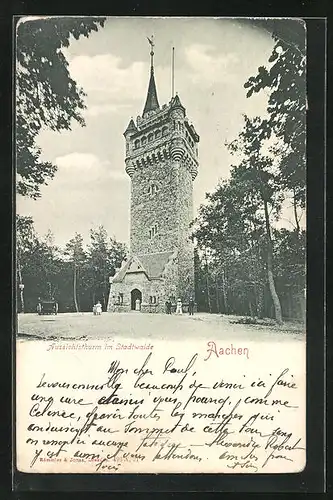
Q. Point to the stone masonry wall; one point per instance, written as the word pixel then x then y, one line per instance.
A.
pixel 171 209
pixel 185 245
pixel 155 287
pixel 159 208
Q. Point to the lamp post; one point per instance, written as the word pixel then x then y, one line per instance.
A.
pixel 21 287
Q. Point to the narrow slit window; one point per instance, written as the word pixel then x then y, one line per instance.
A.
pixel 153 231
pixel 153 189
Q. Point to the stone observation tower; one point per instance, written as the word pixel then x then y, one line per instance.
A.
pixel 162 162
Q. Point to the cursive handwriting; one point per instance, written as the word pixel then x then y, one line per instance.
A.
pixel 164 412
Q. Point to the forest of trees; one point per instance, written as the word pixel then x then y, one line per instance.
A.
pixel 75 277
pixel 246 264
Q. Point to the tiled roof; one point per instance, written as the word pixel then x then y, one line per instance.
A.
pixel 130 127
pixel 119 276
pixel 152 100
pixel 152 265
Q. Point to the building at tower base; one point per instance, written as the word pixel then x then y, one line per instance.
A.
pixel 162 162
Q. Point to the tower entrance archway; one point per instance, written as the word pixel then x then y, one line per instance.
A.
pixel 135 295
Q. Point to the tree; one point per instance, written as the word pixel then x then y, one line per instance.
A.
pixel 290 270
pixel 104 256
pixel 77 257
pixel 46 95
pixel 38 264
pixel 257 171
pixel 285 79
pixel 229 226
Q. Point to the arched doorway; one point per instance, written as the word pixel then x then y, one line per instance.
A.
pixel 135 295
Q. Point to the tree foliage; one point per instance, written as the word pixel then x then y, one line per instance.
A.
pixel 285 79
pixel 105 255
pixel 76 277
pixel 248 255
pixel 236 230
pixel 46 95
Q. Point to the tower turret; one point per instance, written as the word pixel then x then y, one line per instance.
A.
pixel 130 130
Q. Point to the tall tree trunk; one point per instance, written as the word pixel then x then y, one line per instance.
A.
pixel 295 214
pixel 224 292
pixel 270 275
pixel 260 302
pixel 207 285
pixel 217 295
pixel 291 304
pixel 75 290
pixel 21 283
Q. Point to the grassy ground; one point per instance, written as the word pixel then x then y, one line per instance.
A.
pixel 136 325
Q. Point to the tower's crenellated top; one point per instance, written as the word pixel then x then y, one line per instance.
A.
pixel 161 133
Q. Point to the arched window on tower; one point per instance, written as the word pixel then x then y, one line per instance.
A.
pixel 137 144
pixel 157 134
pixel 153 189
pixel 150 137
pixel 164 131
pixel 143 140
pixel 153 231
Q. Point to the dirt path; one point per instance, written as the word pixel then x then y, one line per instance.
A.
pixel 136 325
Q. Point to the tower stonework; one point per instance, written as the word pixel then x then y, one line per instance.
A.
pixel 161 160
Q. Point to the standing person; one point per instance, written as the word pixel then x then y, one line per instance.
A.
pixel 191 306
pixel 167 306
pixel 94 310
pixel 179 309
pixel 98 308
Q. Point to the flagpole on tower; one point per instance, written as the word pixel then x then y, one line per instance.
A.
pixel 173 73
pixel 151 42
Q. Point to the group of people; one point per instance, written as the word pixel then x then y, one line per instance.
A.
pixel 179 306
pixel 97 309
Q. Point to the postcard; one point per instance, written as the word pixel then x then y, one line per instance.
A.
pixel 160 245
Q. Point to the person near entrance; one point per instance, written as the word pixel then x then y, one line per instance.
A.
pixel 168 307
pixel 179 309
pixel 98 308
pixel 136 299
pixel 191 306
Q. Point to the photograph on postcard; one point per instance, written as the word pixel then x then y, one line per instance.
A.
pixel 160 245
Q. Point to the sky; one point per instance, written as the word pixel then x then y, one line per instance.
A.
pixel 213 59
